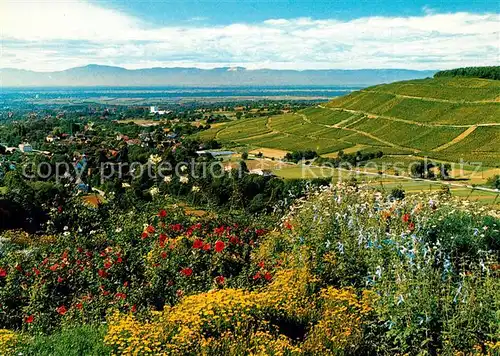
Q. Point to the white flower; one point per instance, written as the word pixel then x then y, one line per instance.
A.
pixel 167 179
pixel 183 168
pixel 65 228
pixel 195 189
pixel 184 179
pixel 119 229
pixel 154 191
pixel 155 159
pixel 66 233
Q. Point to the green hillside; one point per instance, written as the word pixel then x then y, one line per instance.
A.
pixel 443 118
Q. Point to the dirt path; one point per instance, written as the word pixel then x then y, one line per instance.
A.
pixel 456 139
pixel 404 120
pixel 384 142
pixel 431 99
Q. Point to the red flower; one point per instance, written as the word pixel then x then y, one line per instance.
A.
pixel 219 279
pixel 61 310
pixel 176 227
pixel 198 243
pixel 134 309
pixel 102 273
pixel 59 209
pixel 219 246
pixel 288 225
pixel 29 319
pixel 144 235
pixel 88 254
pixel 119 260
pixel 108 264
pixel 60 279
pixel 260 232
pixel 79 306
pixel 150 229
pixel 206 247
pixel 163 255
pixel 268 276
pixel 162 213
pixel 3 272
pixel 163 238
pixel 36 271
pixel 121 296
pixel 411 226
pixel 219 230
pixel 234 240
pixel 54 268
pixel 19 268
pixel 405 218
pixel 261 264
pixel 187 271
pixel 125 284
pixel 256 276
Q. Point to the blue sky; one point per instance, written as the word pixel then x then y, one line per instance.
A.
pixel 253 11
pixel 48 35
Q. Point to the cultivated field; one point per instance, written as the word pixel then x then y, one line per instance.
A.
pixel 449 119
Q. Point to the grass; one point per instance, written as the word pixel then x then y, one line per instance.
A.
pixel 83 340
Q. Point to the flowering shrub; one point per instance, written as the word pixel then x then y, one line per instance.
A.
pixel 78 277
pixel 236 321
pixel 347 271
pixel 432 260
pixel 8 342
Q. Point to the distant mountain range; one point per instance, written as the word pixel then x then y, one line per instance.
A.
pixel 97 75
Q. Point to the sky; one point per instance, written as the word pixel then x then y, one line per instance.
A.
pixel 51 35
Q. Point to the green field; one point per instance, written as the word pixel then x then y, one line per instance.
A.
pixel 386 183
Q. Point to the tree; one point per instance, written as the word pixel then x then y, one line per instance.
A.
pixel 494 181
pixel 244 155
pixel 422 169
pixel 444 170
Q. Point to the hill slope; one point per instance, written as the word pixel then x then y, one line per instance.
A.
pixel 443 118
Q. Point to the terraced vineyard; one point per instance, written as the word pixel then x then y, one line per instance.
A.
pixel 451 119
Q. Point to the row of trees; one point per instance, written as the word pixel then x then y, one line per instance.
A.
pixel 472 72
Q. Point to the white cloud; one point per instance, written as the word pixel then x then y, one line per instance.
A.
pixel 54 35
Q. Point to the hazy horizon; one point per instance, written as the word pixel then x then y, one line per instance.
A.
pixel 53 35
